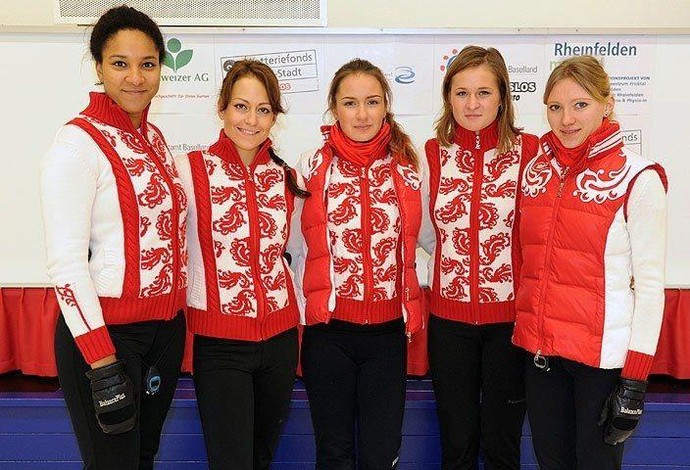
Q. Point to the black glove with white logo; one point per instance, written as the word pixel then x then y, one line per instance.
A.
pixel 113 398
pixel 622 410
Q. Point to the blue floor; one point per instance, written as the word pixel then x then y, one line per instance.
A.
pixel 35 433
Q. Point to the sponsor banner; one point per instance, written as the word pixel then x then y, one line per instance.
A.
pixel 635 129
pixel 629 61
pixel 405 61
pixel 298 67
pixel 185 134
pixel 188 83
pixel 524 57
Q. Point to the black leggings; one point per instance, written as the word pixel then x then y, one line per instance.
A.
pixel 563 405
pixel 139 345
pixel 355 378
pixel 243 390
pixel 478 378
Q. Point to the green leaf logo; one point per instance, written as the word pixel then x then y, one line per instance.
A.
pixel 175 58
pixel 184 57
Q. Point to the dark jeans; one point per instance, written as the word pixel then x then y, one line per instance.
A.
pixel 478 378
pixel 243 390
pixel 355 380
pixel 139 345
pixel 563 405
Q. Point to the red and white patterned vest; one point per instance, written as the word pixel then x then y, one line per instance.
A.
pixel 149 283
pixel 241 286
pixel 360 227
pixel 472 209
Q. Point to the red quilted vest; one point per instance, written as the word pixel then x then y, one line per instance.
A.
pixel 567 217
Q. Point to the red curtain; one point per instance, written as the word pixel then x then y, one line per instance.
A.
pixel 28 317
pixel 673 352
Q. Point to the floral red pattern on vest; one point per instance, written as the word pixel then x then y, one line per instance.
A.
pixel 361 225
pixel 472 206
pixel 243 217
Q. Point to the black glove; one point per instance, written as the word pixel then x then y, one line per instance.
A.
pixel 113 398
pixel 622 410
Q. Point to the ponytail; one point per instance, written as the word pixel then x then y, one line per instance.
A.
pixel 400 143
pixel 289 175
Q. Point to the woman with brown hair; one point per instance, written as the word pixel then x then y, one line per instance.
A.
pixel 360 229
pixel 242 302
pixel 470 231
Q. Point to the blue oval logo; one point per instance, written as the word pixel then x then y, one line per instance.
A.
pixel 404 74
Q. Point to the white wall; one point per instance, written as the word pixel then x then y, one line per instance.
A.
pixel 637 14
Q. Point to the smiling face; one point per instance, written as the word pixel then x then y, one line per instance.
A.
pixel 130 71
pixel 248 117
pixel 573 113
pixel 360 107
pixel 475 97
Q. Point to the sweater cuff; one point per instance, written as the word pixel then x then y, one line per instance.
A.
pixel 637 366
pixel 95 345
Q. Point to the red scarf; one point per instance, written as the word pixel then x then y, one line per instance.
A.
pixel 576 157
pixel 359 153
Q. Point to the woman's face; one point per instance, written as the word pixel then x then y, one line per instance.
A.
pixel 248 117
pixel 360 107
pixel 130 71
pixel 475 97
pixel 572 112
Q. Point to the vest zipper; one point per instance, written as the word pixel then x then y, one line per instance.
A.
pixel 366 241
pixel 255 240
pixel 474 227
pixel 175 216
pixel 547 263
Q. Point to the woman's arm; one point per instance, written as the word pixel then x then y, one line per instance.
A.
pixel 647 230
pixel 69 185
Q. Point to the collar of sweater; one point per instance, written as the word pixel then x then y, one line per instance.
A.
pixel 226 150
pixel 484 139
pixel 103 108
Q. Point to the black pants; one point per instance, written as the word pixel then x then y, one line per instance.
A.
pixel 563 405
pixel 355 379
pixel 478 378
pixel 139 345
pixel 243 389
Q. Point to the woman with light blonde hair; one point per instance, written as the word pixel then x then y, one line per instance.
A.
pixel 591 297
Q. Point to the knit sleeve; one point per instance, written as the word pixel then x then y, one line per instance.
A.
pixel 530 148
pixel 69 185
pixel 647 230
pixel 298 252
pixel 427 234
pixel 196 285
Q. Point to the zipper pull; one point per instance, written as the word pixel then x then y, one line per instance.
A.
pixel 560 187
pixel 477 143
pixel 541 362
